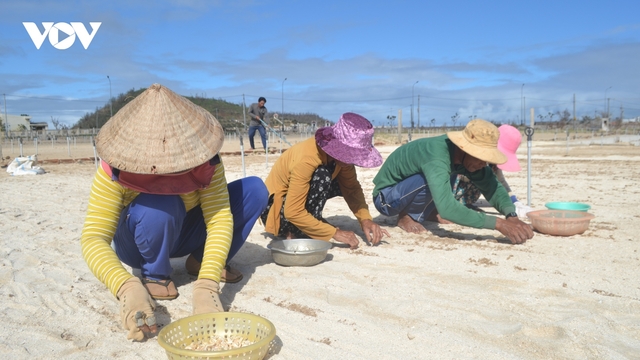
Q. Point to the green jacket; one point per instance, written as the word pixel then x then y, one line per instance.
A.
pixel 433 158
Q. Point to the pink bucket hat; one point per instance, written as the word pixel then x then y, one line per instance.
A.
pixel 508 143
pixel 349 141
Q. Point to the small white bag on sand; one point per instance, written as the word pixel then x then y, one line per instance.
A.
pixel 522 209
pixel 24 166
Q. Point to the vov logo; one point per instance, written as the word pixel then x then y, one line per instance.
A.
pixel 68 29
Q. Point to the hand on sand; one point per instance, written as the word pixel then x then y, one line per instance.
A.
pixel 373 232
pixel 205 297
pixel 136 310
pixel 517 231
pixel 347 237
pixel 406 223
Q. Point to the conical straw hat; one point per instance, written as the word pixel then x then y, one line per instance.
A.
pixel 159 132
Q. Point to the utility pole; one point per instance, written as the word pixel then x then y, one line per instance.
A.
pixel 574 113
pixel 110 96
pixel 522 107
pixel 418 111
pixel 244 114
pixel 399 126
pixel 606 108
pixel 412 91
pixel 282 113
pixel 5 120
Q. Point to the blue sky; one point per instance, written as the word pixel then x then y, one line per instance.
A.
pixel 469 57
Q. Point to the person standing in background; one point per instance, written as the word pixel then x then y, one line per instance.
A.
pixel 257 114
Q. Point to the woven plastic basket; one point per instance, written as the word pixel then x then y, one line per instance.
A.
pixel 560 222
pixel 201 328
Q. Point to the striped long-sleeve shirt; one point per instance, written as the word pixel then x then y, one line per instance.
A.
pixel 106 202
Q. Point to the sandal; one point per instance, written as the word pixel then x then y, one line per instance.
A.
pixel 228 274
pixel 161 289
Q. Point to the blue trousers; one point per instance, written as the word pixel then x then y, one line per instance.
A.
pixel 154 228
pixel 263 135
pixel 411 195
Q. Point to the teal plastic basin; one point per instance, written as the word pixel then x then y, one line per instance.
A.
pixel 575 206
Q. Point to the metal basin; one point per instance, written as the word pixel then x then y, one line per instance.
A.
pixel 299 252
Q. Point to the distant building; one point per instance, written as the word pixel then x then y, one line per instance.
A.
pixel 14 122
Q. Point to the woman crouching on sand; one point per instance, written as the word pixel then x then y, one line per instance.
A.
pixel 161 193
pixel 317 169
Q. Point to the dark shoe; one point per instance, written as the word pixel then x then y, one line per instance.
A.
pixel 192 265
pixel 228 275
pixel 161 289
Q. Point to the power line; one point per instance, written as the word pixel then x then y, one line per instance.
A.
pixel 427 97
pixel 434 103
pixel 397 98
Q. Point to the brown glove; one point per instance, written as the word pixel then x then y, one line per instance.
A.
pixel 136 310
pixel 205 297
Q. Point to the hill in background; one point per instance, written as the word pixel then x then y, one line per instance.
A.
pixel 224 111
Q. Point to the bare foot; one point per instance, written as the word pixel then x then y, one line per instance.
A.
pixel 406 223
pixel 443 221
